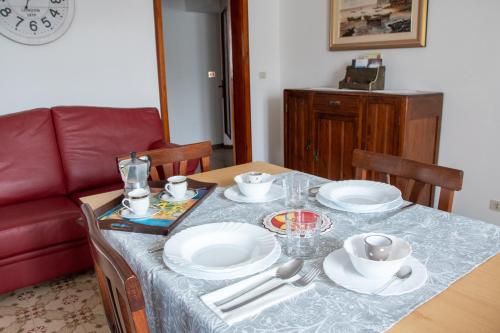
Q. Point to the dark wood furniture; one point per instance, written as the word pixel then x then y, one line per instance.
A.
pixel 120 289
pixel 323 127
pixel 166 162
pixel 392 169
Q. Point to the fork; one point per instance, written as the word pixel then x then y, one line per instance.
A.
pixel 300 283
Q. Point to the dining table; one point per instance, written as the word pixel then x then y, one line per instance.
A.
pixel 468 301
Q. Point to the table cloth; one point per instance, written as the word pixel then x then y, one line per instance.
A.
pixel 449 245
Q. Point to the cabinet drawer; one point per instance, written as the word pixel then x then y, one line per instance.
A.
pixel 336 102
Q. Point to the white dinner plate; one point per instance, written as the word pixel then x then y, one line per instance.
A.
pixel 339 269
pixel 360 195
pixel 190 194
pixel 331 204
pixel 234 194
pixel 219 247
pixel 236 274
pixel 128 214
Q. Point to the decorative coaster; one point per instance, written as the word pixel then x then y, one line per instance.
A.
pixel 275 222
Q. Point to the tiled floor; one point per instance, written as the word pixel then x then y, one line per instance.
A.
pixel 221 158
pixel 71 304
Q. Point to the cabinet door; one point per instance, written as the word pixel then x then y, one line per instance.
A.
pixel 336 135
pixel 298 141
pixel 382 126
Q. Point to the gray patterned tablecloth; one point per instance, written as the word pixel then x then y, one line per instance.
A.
pixel 449 245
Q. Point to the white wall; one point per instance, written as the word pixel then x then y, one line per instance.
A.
pixel 461 60
pixel 266 95
pixel 192 44
pixel 107 58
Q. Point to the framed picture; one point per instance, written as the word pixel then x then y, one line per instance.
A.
pixel 374 24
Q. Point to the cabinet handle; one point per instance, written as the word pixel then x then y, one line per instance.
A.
pixel 308 145
pixel 334 103
pixel 316 156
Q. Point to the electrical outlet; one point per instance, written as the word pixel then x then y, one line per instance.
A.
pixel 495 205
pixel 211 74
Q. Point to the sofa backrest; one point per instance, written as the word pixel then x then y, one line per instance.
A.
pixel 30 166
pixel 90 139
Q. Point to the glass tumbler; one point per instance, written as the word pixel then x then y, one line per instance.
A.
pixel 303 230
pixel 295 187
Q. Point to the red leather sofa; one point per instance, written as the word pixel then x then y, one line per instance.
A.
pixel 49 158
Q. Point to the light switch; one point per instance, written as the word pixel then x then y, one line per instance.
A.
pixel 262 75
pixel 211 74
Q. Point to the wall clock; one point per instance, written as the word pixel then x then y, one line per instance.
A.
pixel 35 22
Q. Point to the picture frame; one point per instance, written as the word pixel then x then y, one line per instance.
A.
pixel 377 24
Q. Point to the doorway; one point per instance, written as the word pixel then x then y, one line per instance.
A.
pixel 206 69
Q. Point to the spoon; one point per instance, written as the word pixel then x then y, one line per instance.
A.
pixel 284 272
pixel 403 273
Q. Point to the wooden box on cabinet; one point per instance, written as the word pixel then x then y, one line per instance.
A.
pixel 323 127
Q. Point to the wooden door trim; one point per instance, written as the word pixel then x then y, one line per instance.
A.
pixel 239 70
pixel 161 67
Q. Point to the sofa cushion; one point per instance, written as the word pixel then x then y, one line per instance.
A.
pixel 90 139
pixel 30 166
pixel 38 224
pixel 108 188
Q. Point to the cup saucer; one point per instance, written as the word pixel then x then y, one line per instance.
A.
pixel 190 194
pixel 128 214
pixel 339 269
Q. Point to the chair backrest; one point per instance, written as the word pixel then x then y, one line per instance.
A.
pixel 417 174
pixel 166 162
pixel 120 289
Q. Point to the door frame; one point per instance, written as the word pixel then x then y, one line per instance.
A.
pixel 239 64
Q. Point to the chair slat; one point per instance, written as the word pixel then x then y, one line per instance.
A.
pixel 183 168
pixel 168 170
pixel 417 174
pixel 154 174
pixel 205 164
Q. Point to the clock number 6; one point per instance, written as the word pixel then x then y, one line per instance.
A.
pixel 5 12
pixel 33 26
pixel 56 1
pixel 46 22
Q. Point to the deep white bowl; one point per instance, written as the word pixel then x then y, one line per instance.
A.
pixel 254 190
pixel 355 248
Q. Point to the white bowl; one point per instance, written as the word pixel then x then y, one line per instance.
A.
pixel 254 190
pixel 361 195
pixel 355 248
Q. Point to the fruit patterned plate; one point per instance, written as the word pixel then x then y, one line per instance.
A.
pixel 275 222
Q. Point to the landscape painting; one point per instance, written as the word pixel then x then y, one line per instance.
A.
pixel 365 24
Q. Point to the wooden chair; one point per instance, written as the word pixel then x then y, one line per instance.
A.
pixel 120 289
pixel 166 162
pixel 418 174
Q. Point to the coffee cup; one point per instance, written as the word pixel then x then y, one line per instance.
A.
pixel 177 187
pixel 378 247
pixel 253 177
pixel 137 201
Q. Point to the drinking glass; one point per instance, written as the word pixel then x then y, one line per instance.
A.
pixel 295 187
pixel 303 230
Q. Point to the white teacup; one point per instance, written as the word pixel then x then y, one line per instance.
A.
pixel 253 177
pixel 137 201
pixel 177 186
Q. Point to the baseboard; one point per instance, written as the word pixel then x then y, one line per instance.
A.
pixel 222 146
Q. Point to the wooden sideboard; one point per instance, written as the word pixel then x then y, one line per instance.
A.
pixel 323 127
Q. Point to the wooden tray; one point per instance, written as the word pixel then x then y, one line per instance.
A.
pixel 161 224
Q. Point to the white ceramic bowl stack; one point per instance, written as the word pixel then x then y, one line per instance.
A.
pixel 220 251
pixel 360 196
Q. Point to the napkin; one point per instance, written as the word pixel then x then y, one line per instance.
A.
pixel 284 293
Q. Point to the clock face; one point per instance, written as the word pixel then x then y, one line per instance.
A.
pixel 35 22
